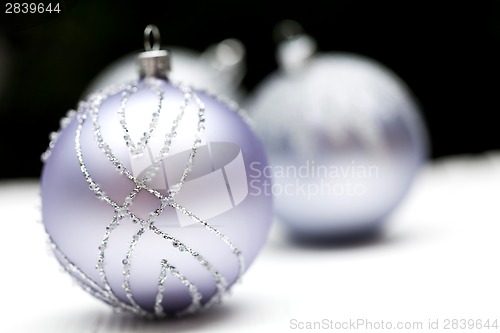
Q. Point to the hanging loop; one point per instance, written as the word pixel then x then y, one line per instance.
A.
pixel 153 62
pixel 151 31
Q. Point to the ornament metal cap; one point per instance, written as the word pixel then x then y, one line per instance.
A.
pixel 153 62
pixel 295 48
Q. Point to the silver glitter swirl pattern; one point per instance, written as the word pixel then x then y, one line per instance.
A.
pixel 90 109
pixel 143 142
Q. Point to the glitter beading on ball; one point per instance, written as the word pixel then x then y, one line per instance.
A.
pixel 159 221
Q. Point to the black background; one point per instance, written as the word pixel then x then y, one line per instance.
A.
pixel 447 53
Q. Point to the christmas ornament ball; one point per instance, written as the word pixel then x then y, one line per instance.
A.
pixel 146 197
pixel 345 140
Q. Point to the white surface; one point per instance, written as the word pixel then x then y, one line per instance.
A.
pixel 438 260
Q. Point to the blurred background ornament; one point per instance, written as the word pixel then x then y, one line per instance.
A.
pixel 218 70
pixel 344 137
pixel 145 193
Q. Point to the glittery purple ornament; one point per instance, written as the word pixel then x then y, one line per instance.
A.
pixel 146 195
pixel 345 141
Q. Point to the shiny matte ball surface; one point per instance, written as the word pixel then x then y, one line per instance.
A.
pixel 345 140
pixel 77 212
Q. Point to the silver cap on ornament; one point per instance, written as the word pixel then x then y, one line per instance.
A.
pixel 153 62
